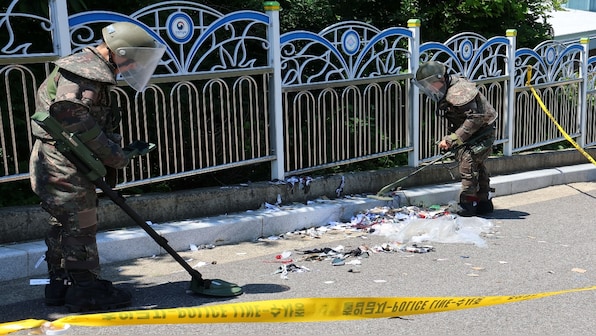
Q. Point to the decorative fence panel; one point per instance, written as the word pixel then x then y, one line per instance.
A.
pixel 231 91
pixel 345 95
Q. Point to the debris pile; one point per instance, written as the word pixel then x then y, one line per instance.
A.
pixel 437 224
pixel 408 229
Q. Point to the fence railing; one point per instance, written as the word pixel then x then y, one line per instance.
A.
pixel 231 91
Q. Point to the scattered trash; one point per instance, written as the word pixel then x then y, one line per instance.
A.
pixel 40 260
pixel 354 262
pixel 271 207
pixel 200 264
pixel 419 249
pixel 338 262
pixel 194 247
pixel 283 255
pixel 49 328
pixel 284 269
pixel 305 183
pixel 407 228
pixel 341 186
pixel 39 282
pixel 291 182
pixel 443 229
pixel 325 250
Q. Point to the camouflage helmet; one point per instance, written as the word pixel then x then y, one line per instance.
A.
pixel 431 80
pixel 125 34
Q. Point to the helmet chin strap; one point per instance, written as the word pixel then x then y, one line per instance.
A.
pixel 447 80
pixel 111 59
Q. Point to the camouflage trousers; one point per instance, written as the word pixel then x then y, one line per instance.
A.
pixel 70 199
pixel 475 179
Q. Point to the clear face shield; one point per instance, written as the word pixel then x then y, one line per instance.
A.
pixel 432 86
pixel 137 64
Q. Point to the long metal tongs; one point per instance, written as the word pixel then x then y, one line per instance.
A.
pixel 382 194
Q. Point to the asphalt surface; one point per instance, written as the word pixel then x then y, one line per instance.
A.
pixel 541 241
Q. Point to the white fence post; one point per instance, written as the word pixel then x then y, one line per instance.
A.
pixel 414 155
pixel 61 34
pixel 510 98
pixel 583 93
pixel 275 94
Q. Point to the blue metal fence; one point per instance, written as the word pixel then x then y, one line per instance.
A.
pixel 231 91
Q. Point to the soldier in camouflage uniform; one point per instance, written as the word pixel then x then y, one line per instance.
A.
pixel 469 116
pixel 76 94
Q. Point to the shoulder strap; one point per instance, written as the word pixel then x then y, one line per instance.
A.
pixel 52 83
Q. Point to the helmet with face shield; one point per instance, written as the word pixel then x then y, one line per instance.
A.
pixel 430 79
pixel 136 52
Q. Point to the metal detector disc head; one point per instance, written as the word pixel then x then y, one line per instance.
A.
pixel 215 287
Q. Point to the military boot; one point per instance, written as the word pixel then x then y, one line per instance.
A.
pixel 55 291
pixel 485 204
pixel 469 205
pixel 468 209
pixel 89 293
pixel 485 207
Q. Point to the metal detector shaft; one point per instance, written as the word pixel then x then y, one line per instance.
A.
pixel 121 202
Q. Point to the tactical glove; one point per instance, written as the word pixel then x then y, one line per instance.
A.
pixel 138 147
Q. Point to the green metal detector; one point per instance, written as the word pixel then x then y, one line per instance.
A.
pixel 198 285
pixel 76 152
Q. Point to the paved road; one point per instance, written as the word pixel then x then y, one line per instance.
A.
pixel 542 241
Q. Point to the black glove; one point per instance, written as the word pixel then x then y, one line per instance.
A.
pixel 138 147
pixel 111 177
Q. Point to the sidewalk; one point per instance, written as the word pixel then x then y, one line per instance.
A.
pixel 131 243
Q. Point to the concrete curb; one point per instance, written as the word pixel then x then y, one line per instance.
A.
pixel 20 260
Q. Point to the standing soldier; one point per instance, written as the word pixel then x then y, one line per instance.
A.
pixel 471 128
pixel 76 95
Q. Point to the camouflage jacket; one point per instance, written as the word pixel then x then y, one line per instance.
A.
pixel 466 110
pixel 81 104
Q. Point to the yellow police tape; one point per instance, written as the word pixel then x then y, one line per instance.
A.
pixel 550 116
pixel 285 310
